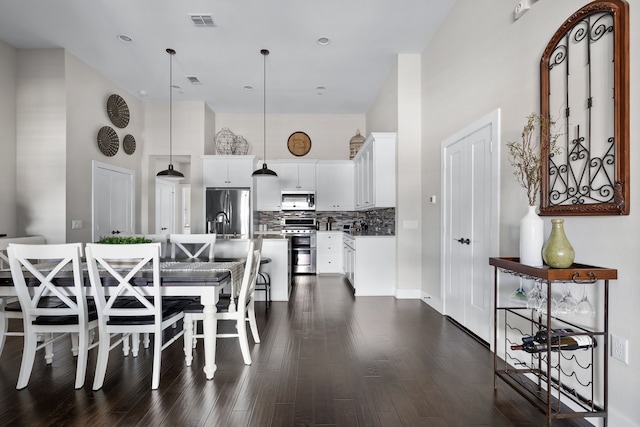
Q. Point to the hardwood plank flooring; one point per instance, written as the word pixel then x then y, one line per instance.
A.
pixel 326 359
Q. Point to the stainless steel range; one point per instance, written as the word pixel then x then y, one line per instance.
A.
pixel 302 235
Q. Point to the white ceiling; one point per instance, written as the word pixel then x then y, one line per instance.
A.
pixel 366 37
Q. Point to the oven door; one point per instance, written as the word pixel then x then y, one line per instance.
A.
pixel 303 260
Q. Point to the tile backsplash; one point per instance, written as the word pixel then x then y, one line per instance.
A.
pixel 382 220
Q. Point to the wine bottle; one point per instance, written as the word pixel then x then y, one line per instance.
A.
pixel 541 335
pixel 578 342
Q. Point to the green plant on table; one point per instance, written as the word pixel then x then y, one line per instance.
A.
pixel 525 155
pixel 124 240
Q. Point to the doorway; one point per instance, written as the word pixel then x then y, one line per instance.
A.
pixel 113 192
pixel 470 215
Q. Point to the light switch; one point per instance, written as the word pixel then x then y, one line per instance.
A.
pixel 76 224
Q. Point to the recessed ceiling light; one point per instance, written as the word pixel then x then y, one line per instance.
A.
pixel 321 89
pixel 248 87
pixel 323 41
pixel 124 38
pixel 142 93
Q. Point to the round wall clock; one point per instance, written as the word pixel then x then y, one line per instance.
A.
pixel 108 142
pixel 118 111
pixel 299 143
pixel 129 144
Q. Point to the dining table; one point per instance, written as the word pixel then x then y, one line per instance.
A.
pixel 179 277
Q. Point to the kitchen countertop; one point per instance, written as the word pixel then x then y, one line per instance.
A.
pixel 369 234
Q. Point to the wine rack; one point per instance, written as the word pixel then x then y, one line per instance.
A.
pixel 561 383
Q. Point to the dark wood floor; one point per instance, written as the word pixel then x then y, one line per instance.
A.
pixel 326 359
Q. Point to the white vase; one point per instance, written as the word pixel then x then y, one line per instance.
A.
pixel 531 238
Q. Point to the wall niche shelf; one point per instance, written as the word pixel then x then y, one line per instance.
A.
pixel 562 384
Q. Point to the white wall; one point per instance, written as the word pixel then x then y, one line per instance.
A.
pixel 87 92
pixel 396 108
pixel 474 66
pixel 8 78
pixel 330 133
pixel 41 158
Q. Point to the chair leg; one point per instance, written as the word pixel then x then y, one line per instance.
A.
pixel 188 338
pixel 83 354
pixel 4 325
pixel 145 340
pixel 74 344
pixel 104 342
pixel 48 350
pixel 241 326
pixel 251 317
pixel 126 345
pixel 157 358
pixel 28 356
pixel 135 344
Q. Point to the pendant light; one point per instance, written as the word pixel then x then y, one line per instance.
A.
pixel 264 171
pixel 170 173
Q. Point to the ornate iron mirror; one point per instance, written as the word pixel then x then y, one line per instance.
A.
pixel 584 83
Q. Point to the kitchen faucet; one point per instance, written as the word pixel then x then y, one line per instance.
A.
pixel 223 219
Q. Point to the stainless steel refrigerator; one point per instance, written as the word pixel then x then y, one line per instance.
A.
pixel 228 211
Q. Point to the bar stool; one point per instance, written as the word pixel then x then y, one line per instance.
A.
pixel 264 281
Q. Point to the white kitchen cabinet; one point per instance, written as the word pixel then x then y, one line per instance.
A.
pixel 329 252
pixel 370 264
pixel 228 171
pixel 274 248
pixel 297 176
pixel 375 172
pixel 334 185
pixel 349 257
pixel 268 189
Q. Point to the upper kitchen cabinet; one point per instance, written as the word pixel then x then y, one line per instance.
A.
pixel 297 176
pixel 228 171
pixel 375 172
pixel 334 185
pixel 268 189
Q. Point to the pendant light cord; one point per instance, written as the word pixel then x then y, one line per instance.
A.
pixel 264 104
pixel 171 53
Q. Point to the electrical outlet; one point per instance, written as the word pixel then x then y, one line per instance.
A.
pixel 620 349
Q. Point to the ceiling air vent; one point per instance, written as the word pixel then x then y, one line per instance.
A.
pixel 194 80
pixel 202 19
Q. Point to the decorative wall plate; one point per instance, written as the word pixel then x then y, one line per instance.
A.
pixel 108 142
pixel 129 144
pixel 118 111
pixel 299 143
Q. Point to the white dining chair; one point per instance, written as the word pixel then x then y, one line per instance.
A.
pixel 244 312
pixel 128 308
pixel 49 308
pixel 202 243
pixel 10 306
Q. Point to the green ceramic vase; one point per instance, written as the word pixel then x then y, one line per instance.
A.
pixel 557 252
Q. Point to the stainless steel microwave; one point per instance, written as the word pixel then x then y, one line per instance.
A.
pixel 298 201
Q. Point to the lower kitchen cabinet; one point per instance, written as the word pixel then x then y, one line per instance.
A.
pixel 329 252
pixel 276 249
pixel 370 264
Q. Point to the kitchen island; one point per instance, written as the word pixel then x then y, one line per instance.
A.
pixel 275 247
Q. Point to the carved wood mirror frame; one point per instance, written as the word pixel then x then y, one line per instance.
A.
pixel 584 88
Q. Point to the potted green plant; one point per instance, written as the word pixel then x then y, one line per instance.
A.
pixel 124 240
pixel 525 157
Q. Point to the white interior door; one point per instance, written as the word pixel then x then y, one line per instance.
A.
pixel 471 223
pixel 165 207
pixel 113 200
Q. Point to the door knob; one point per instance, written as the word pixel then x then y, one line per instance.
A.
pixel 115 232
pixel 463 241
